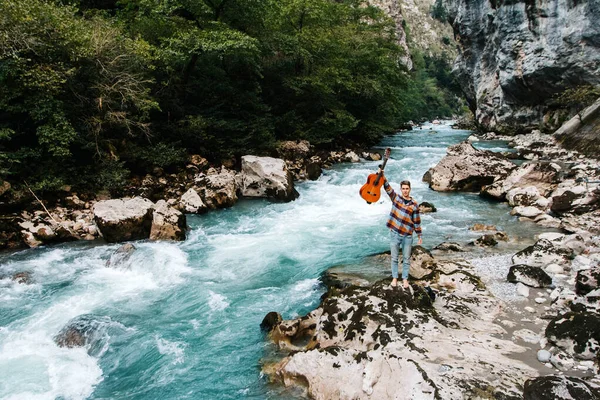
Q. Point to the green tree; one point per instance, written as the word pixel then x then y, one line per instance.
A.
pixel 70 88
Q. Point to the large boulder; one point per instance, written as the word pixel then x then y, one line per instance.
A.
pixel 270 321
pixel 167 223
pixel 587 280
pixel 191 202
pixel 267 177
pixel 124 219
pixel 542 253
pixel 467 168
pixel 559 387
pixel 544 177
pixel 528 275
pixel 380 342
pixel 313 170
pixel 219 188
pixel 422 262
pixel 578 333
pixel 526 196
pixel 575 198
pixel 87 331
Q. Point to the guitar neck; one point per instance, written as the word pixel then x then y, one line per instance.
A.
pixel 384 162
pixel 382 167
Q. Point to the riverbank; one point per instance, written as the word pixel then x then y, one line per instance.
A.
pixel 482 336
pixel 197 189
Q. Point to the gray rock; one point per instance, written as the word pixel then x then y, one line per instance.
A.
pixel 267 177
pixel 587 280
pixel 449 246
pixel 219 188
pixel 543 356
pixel 577 333
pixel 167 223
pixel 559 387
pixel 270 321
pixel 518 196
pixel 528 275
pixel 529 211
pixel 23 278
pixel 426 207
pixel 121 256
pixel 191 202
pixel 487 240
pixel 580 133
pixel 526 183
pixel 313 171
pixel 467 168
pixel 522 290
pixel 124 219
pixel 373 343
pixel 542 253
pixel 422 262
pixel 352 157
pixel 85 331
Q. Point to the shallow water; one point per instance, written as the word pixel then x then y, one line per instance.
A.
pixel 181 320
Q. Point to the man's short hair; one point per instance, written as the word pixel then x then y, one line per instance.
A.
pixel 407 183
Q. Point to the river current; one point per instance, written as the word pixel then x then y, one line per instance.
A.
pixel 181 320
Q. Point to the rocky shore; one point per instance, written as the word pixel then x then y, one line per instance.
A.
pixel 449 336
pixel 155 205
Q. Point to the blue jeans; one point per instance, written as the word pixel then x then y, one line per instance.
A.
pixel 397 240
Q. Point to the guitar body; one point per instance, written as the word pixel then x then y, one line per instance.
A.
pixel 371 191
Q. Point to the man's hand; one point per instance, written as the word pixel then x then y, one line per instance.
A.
pixel 420 242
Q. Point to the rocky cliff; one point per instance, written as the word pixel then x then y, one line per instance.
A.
pixel 515 55
pixel 417 29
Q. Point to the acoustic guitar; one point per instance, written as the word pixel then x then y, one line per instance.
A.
pixel 371 191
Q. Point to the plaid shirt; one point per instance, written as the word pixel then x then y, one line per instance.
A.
pixel 404 218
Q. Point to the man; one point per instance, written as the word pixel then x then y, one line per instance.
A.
pixel 403 221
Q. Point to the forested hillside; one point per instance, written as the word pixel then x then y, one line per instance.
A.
pixel 93 91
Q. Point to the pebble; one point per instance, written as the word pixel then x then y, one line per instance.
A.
pixel 544 356
pixel 522 290
pixel 530 309
pixel 444 368
pixel 540 300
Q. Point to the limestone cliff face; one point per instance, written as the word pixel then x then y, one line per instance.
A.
pixel 514 55
pixel 392 8
pixel 417 29
pixel 427 34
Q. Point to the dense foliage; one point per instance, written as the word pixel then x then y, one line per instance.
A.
pixel 93 90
